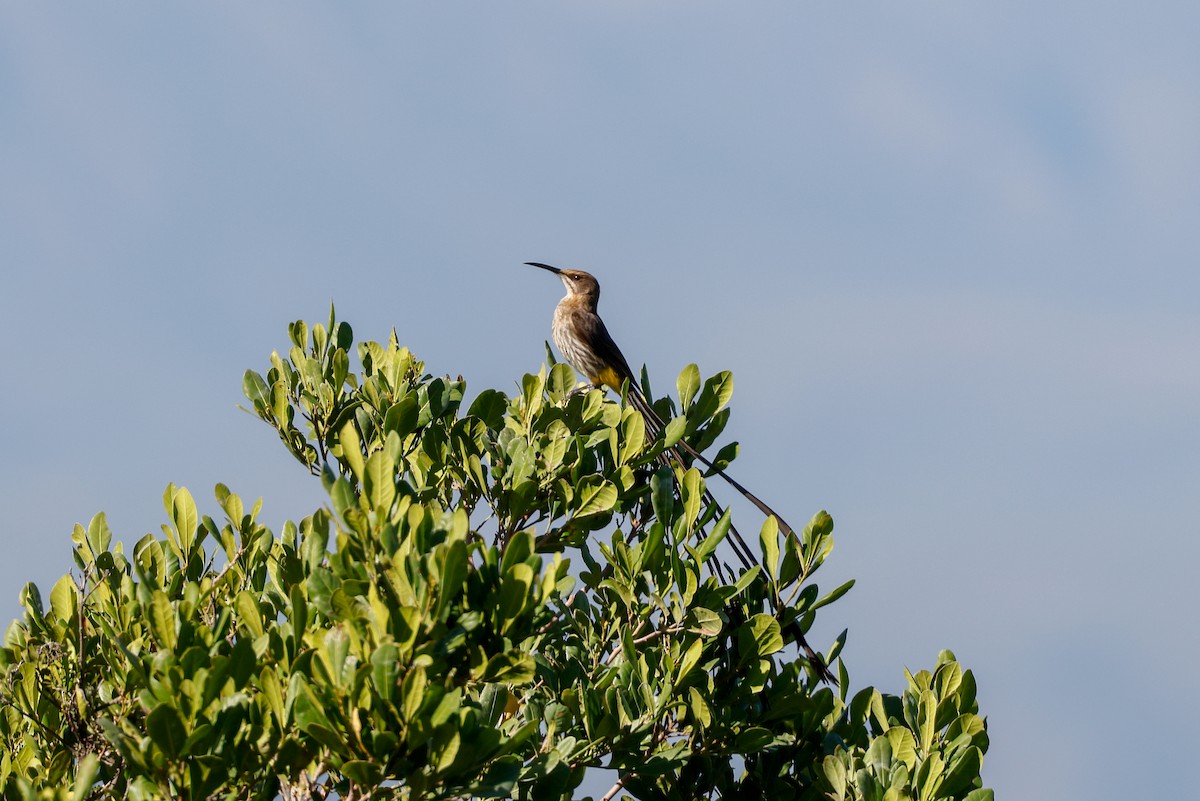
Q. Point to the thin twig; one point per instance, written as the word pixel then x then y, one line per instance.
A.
pixel 616 788
pixel 645 638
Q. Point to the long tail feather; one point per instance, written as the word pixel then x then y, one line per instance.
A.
pixel 814 659
pixel 642 405
pixel 654 425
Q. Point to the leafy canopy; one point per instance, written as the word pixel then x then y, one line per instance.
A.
pixel 492 603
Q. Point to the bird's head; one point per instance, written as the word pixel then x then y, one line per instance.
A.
pixel 578 283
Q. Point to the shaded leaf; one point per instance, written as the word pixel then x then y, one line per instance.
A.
pixel 165 727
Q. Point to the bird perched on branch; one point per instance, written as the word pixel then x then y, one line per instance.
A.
pixel 584 341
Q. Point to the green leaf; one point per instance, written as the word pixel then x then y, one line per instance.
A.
pixel 268 682
pixel 621 590
pixel 820 526
pixel 165 727
pixel 343 333
pixel 379 481
pixel 692 492
pixel 385 672
pixel 595 495
pixel 242 662
pixel 879 756
pixel 904 747
pixel 727 454
pixel 688 385
pixel 691 658
pixel 752 739
pixel 963 771
pixel 298 333
pixel 493 701
pixel 364 773
pixel 320 338
pixel 666 760
pixel 769 537
pixel 715 394
pixel 662 495
pixel 490 406
pixel 520 548
pixel 699 707
pixel 949 678
pixel 454 573
pixel 929 777
pixel 445 746
pixel 674 432
pixel 281 405
pixel 514 594
pixel 351 449
pixel 560 382
pixel 633 436
pixel 833 596
pixel 721 385
pixel 231 503
pixel 341 369
pixel 335 648
pixel 248 613
pixel 879 711
pixel 980 795
pixel 403 416
pixel 927 719
pixel 835 773
pixel 99 536
pixel 308 710
pixel 704 622
pixel 971 727
pixel 64 599
pixel 413 692
pixel 500 778
pixel 162 620
pixel 299 608
pixel 316 540
pixel 256 391
pixel 186 519
pixel 789 570
pixel 85 777
pixel 532 387
pixel 760 636
pixel 512 667
pixel 714 538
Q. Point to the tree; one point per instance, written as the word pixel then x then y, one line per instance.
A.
pixel 490 604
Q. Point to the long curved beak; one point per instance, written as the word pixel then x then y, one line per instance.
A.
pixel 554 270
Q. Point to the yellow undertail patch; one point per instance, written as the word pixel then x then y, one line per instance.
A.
pixel 609 378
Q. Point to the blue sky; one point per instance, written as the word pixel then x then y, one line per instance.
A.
pixel 947 249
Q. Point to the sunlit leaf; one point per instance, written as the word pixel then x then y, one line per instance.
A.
pixel 162 620
pixel 379 481
pixel 688 385
pixel 595 496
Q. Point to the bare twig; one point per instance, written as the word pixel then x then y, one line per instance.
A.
pixel 616 788
pixel 645 638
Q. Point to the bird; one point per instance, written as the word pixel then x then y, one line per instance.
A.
pixel 584 341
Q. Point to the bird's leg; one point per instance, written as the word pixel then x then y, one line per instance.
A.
pixel 583 388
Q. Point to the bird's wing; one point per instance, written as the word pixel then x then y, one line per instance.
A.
pixel 596 334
